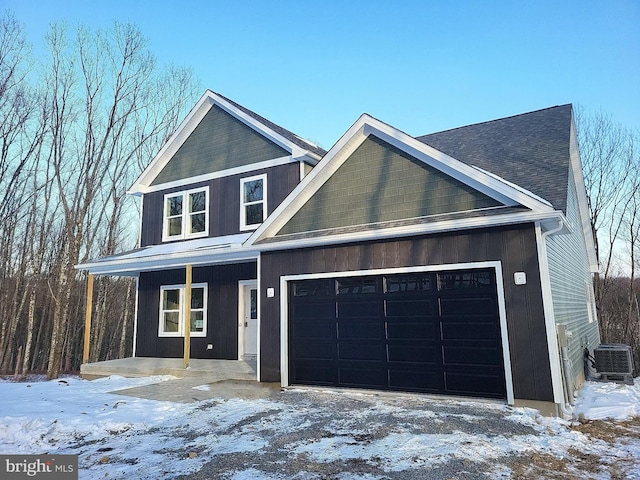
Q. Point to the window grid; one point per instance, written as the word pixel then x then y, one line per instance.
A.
pixel 172 314
pixel 185 214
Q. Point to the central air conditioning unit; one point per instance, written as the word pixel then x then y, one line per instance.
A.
pixel 614 362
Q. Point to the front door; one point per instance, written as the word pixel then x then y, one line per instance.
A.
pixel 248 321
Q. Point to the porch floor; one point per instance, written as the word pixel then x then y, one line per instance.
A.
pixel 213 370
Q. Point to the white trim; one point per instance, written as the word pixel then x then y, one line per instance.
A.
pixel 242 291
pixel 258 370
pixel 189 124
pixel 407 230
pixel 141 200
pixel 549 316
pixel 583 202
pixel 163 261
pixel 490 185
pixel 301 170
pixel 135 320
pixel 185 215
pixel 276 162
pixel 496 265
pixel 181 320
pixel 243 205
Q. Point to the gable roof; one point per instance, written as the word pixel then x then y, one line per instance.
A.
pixel 530 150
pixel 506 193
pixel 297 148
pixel 302 143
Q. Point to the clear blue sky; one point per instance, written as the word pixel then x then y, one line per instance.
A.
pixel 423 66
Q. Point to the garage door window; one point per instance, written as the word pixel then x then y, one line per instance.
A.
pixel 464 280
pixel 312 288
pixel 407 283
pixel 356 286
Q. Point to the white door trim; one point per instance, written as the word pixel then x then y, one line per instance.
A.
pixel 243 286
pixel 502 311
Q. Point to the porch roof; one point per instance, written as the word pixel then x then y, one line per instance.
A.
pixel 204 251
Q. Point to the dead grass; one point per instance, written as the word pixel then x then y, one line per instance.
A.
pixel 580 465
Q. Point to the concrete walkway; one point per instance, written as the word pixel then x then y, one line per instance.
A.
pixel 204 379
pixel 146 366
pixel 192 389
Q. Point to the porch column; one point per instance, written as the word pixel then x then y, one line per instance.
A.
pixel 87 319
pixel 187 316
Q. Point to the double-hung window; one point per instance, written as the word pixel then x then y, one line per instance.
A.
pixel 253 201
pixel 186 214
pixel 172 310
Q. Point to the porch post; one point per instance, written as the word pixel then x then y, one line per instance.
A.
pixel 87 319
pixel 187 316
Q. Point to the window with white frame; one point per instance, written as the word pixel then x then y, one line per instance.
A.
pixel 172 310
pixel 186 214
pixel 253 201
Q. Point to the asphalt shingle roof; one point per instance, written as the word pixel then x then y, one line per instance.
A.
pixel 530 150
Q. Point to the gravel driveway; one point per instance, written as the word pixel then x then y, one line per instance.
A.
pixel 312 434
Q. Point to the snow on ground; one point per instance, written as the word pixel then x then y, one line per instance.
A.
pixel 119 436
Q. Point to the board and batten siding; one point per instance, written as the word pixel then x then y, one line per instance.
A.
pixel 514 246
pixel 572 289
pixel 224 201
pixel 222 311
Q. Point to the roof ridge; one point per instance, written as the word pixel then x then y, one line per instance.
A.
pixel 418 137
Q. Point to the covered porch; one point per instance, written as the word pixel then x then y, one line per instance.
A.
pixel 212 370
pixel 219 265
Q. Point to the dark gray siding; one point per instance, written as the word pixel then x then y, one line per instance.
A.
pixel 222 312
pixel 220 141
pixel 224 201
pixel 514 246
pixel 381 183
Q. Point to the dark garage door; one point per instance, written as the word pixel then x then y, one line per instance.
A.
pixel 434 332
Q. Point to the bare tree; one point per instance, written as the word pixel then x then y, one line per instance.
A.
pixel 611 167
pixel 67 156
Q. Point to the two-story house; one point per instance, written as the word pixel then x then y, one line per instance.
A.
pixel 455 263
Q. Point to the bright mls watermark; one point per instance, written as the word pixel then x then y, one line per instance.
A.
pixel 51 467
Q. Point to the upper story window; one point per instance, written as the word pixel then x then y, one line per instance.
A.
pixel 253 201
pixel 186 214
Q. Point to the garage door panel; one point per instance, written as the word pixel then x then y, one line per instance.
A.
pixel 482 330
pixel 315 374
pixel 363 330
pixel 373 351
pixel 466 307
pixel 313 310
pixel 409 308
pixel 351 309
pixel 366 376
pixel 313 349
pixel 426 330
pixel 476 384
pixel 472 355
pixel 423 380
pixel 315 330
pixel 427 354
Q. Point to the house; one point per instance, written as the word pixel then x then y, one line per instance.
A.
pixel 455 263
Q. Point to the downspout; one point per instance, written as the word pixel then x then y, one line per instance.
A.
pixel 563 356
